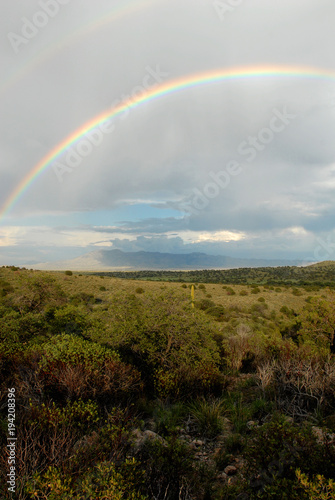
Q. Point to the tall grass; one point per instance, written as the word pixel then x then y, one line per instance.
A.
pixel 207 416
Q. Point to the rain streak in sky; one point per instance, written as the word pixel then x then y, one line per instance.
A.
pixel 169 126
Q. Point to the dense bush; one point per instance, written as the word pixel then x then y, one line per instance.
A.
pixel 205 304
pixel 16 330
pixel 101 482
pixel 318 323
pixel 172 346
pixel 168 469
pixel 69 367
pixel 277 450
pixel 77 414
pixel 83 298
pixel 319 488
pixel 35 293
pixel 198 387
pixel 68 319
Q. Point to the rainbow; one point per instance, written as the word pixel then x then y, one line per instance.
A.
pixel 157 92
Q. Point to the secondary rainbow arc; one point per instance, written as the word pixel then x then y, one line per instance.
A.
pixel 117 12
pixel 164 89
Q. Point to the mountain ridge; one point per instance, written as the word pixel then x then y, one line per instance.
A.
pixel 115 259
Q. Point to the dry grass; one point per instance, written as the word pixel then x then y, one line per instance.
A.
pixel 91 284
pixel 301 384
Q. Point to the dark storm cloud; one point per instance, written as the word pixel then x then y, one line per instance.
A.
pixel 80 60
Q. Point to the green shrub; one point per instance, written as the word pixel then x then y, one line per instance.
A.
pixel 111 442
pixel 68 273
pixel 67 320
pixel 318 323
pixel 235 308
pixel 168 469
pixel 168 341
pixel 74 350
pixel 234 443
pixel 83 298
pixel 277 449
pixel 185 381
pixel 222 459
pixel 101 482
pixel 285 310
pixel 139 290
pixel 329 421
pixel 36 293
pixel 243 293
pixel 168 416
pixel 69 367
pixel 319 488
pixel 5 288
pixel 102 289
pixel 81 415
pixel 217 312
pixel 204 304
pixel 260 308
pixel 261 408
pixel 16 330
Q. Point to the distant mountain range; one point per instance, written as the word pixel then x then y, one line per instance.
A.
pixel 117 260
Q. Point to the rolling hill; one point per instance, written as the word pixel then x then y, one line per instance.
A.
pixel 117 260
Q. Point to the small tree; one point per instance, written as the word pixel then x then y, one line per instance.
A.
pixel 37 292
pixel 318 321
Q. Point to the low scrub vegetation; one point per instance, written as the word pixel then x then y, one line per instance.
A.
pixel 129 392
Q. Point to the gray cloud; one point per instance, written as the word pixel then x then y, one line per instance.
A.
pixel 88 55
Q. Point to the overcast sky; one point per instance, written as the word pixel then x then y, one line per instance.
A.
pixel 241 167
